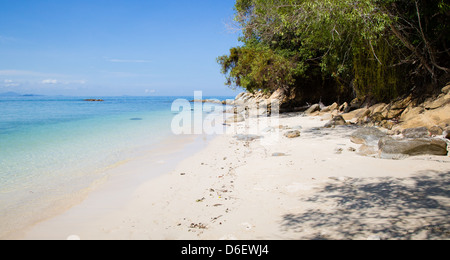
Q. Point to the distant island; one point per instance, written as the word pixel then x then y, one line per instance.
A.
pixel 14 94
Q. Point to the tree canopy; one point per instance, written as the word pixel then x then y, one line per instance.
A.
pixel 340 47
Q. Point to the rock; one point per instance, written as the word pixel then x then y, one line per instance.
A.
pixel 247 138
pixel 312 109
pixel 367 135
pixel 337 120
pixel 440 101
pixel 428 118
pixel 367 150
pixel 344 108
pixel 436 130
pixel 446 89
pixel 411 113
pixel 446 133
pixel 338 150
pixel 330 108
pixel 412 147
pixel 356 114
pixel 292 134
pixel 235 119
pixel 94 100
pixel 356 103
pixel 417 132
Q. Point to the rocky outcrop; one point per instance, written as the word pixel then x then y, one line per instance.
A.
pixel 401 114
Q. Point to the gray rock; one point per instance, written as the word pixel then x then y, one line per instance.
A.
pixel 337 120
pixel 247 138
pixel 418 132
pixel 368 136
pixel 292 134
pixel 412 147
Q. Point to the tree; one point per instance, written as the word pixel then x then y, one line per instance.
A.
pixel 362 46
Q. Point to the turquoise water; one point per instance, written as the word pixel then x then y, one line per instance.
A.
pixel 53 147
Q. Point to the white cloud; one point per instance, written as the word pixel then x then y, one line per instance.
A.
pixel 10 83
pixel 150 91
pixel 50 81
pixel 27 73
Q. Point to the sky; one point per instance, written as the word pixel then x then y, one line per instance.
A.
pixel 115 47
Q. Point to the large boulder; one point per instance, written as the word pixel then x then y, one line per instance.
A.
pixel 367 135
pixel 412 147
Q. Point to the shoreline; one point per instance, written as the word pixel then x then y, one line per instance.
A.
pixel 118 181
pixel 311 187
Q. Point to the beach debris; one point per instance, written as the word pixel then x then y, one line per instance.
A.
pixel 201 200
pixel 292 134
pixel 198 226
pixel 338 150
pixel 183 173
pixel 247 138
pixel 247 226
pixel 351 149
pixel 278 154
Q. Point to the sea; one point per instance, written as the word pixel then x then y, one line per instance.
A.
pixel 52 149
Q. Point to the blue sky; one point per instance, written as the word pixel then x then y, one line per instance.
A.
pixel 114 47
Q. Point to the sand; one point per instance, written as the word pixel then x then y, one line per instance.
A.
pixel 311 187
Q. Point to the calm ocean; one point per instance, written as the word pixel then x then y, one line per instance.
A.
pixel 53 147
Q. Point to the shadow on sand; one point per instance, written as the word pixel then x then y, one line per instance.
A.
pixel 377 208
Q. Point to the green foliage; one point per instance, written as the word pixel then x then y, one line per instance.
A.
pixel 363 45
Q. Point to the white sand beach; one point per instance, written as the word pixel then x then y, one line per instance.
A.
pixel 315 186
